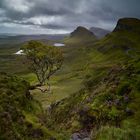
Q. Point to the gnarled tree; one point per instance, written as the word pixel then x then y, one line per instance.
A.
pixel 43 60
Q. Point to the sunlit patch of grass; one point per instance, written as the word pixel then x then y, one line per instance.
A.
pixel 30 77
pixel 59 90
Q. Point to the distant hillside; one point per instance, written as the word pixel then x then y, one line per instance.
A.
pixel 99 32
pixel 80 35
pixel 15 39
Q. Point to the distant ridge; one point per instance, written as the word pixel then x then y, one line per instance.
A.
pixel 99 32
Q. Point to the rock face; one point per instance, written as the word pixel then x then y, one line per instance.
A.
pixel 129 24
pixel 80 136
pixel 82 32
pixel 99 32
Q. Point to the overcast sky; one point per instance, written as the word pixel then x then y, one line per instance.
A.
pixel 62 16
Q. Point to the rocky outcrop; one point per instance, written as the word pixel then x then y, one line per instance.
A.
pixel 128 24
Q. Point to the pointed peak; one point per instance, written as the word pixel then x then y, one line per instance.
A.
pixel 81 31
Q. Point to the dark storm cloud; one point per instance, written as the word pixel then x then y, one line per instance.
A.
pixel 65 14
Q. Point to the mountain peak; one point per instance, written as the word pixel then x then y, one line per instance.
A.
pixel 129 24
pixel 81 32
pixel 81 28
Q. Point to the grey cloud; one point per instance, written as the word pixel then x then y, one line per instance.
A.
pixel 72 13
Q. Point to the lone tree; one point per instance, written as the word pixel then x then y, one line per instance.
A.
pixel 43 60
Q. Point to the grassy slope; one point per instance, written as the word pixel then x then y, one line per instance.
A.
pixel 68 79
pixel 65 82
pixel 110 99
pixel 20 113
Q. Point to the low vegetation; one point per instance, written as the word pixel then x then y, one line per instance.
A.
pixel 95 95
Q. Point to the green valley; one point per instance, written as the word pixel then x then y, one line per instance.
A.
pixel 94 96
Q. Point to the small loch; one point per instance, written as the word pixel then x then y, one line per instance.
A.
pixel 59 44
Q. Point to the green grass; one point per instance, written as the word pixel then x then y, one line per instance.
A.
pixel 104 71
pixel 109 74
pixel 113 133
pixel 61 87
pixel 68 79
